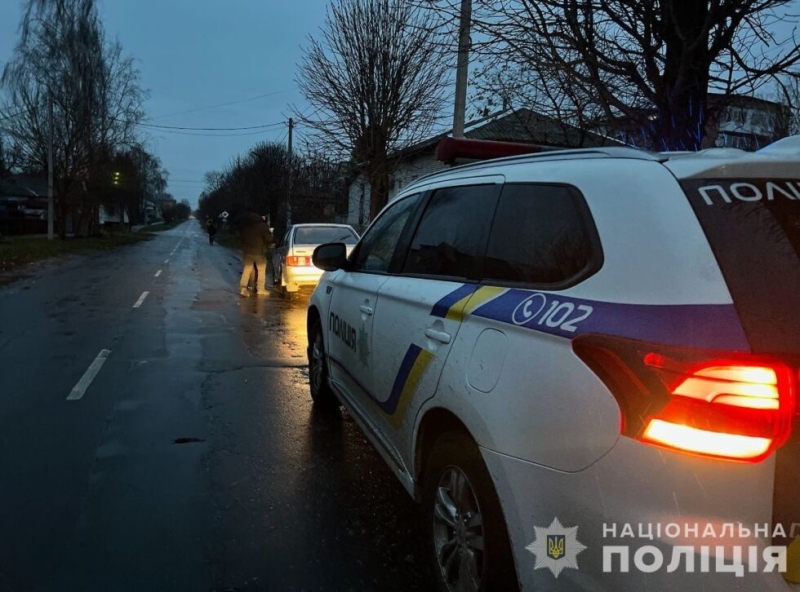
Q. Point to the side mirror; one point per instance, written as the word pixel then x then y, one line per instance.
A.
pixel 330 256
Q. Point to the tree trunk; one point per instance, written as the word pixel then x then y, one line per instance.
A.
pixel 683 104
pixel 62 218
pixel 378 188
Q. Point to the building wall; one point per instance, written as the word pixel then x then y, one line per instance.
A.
pixel 748 128
pixel 358 203
pixel 406 172
pixel 747 124
pixel 410 170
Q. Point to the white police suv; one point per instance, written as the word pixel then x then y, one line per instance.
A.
pixel 584 364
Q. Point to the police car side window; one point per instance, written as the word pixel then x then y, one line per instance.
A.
pixel 542 235
pixel 451 237
pixel 376 249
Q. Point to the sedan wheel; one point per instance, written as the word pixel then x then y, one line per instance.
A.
pixel 287 295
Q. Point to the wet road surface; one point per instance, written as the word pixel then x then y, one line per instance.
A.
pixel 156 433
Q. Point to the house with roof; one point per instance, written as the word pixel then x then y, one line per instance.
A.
pixel 511 125
pixel 734 121
pixel 22 210
pixel 748 123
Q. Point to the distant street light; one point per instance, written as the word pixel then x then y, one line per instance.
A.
pixel 116 178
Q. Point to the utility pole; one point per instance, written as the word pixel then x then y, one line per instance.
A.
pixel 462 69
pixel 289 182
pixel 50 208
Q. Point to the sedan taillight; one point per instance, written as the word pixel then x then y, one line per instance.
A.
pixel 294 261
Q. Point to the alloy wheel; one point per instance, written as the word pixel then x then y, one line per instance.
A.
pixel 317 362
pixel 458 534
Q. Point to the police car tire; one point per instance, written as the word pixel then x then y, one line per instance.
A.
pixel 457 449
pixel 322 396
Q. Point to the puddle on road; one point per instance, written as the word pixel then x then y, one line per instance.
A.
pixel 282 323
pixel 187 440
pixel 213 299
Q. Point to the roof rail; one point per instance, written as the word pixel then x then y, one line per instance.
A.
pixel 789 146
pixel 548 153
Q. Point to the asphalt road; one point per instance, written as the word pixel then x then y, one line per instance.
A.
pixel 193 459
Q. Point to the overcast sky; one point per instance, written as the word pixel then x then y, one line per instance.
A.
pixel 198 53
pixel 195 54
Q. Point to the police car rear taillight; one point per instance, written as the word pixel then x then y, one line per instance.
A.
pixel 735 407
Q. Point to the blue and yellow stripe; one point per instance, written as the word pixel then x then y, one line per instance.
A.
pixel 459 303
pixel 412 369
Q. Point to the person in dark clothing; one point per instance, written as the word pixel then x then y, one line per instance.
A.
pixel 255 238
pixel 211 228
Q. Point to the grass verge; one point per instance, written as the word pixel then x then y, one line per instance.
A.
pixel 228 239
pixel 16 253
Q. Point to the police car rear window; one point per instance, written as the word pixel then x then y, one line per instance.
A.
pixel 451 237
pixel 543 236
pixel 753 227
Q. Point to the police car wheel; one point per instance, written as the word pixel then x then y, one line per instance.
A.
pixel 321 393
pixel 469 541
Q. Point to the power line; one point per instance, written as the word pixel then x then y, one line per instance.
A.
pixel 211 129
pixel 269 94
pixel 200 134
pixel 283 137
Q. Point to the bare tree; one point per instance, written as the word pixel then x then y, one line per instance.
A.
pixel 650 64
pixel 255 182
pixel 376 83
pixel 787 94
pixel 37 11
pixel 5 164
pixel 320 187
pixel 64 62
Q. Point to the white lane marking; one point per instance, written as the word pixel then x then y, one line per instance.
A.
pixel 141 299
pixel 158 273
pixel 176 246
pixel 166 261
pixel 80 389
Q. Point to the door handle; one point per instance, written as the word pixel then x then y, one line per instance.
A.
pixel 438 335
pixel 366 309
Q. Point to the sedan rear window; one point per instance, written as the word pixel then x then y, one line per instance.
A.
pixel 318 235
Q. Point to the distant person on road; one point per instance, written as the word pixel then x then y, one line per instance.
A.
pixel 211 228
pixel 255 239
